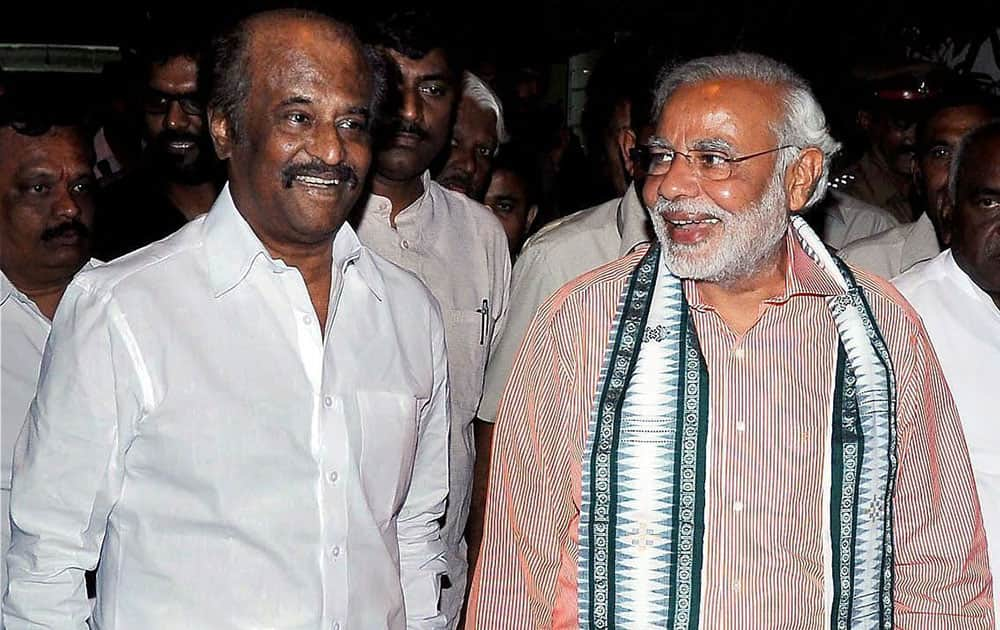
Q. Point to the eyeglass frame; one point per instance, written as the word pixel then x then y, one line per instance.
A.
pixel 192 99
pixel 636 154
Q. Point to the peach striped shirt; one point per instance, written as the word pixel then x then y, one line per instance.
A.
pixel 771 400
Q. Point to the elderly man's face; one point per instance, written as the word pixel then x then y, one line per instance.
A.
pixel 719 230
pixel 473 145
pixel 940 138
pixel 46 203
pixel 975 234
pixel 298 165
pixel 428 96
pixel 175 120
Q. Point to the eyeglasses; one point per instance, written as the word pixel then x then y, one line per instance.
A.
pixel 711 165
pixel 156 102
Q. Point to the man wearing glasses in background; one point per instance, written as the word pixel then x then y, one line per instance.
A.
pixel 771 443
pixel 180 177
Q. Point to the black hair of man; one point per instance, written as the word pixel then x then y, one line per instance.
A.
pixel 32 106
pixel 959 91
pixel 228 84
pixel 414 33
pixel 523 162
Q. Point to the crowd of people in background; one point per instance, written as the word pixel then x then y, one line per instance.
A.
pixel 311 324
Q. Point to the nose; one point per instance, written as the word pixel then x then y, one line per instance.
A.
pixel 327 145
pixel 678 182
pixel 175 118
pixel 462 159
pixel 66 205
pixel 411 108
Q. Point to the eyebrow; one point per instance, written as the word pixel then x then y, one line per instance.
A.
pixel 658 143
pixel 437 76
pixel 296 100
pixel 712 144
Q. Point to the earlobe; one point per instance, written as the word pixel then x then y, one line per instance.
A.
pixel 221 132
pixel 626 142
pixel 802 176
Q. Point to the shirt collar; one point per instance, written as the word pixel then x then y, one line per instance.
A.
pixel 634 226
pixel 921 243
pixel 6 288
pixel 803 276
pixel 232 249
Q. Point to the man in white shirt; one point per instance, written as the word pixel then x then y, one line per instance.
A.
pixel 957 294
pixel 452 243
pixel 894 251
pixel 247 421
pixel 46 214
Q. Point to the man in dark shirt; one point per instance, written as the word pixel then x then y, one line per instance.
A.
pixel 180 176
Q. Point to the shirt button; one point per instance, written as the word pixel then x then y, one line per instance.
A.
pixel 405 244
pixel 737 586
pixel 336 626
pixel 327 401
pixel 333 477
pixel 307 320
pixel 335 551
pixel 738 506
pixel 739 352
pixel 741 426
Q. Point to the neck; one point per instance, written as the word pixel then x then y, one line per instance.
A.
pixel 191 199
pixel 400 193
pixel 740 301
pixel 314 262
pixel 44 293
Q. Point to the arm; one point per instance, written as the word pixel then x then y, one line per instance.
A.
pixel 529 509
pixel 942 574
pixel 421 550
pixel 68 462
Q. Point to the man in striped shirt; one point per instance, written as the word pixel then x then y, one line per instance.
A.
pixel 771 442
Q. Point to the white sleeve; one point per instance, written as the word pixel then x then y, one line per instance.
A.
pixel 421 551
pixel 67 463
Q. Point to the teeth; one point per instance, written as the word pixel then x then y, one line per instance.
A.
pixel 317 181
pixel 684 223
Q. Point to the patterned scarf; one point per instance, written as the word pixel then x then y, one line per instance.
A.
pixel 642 515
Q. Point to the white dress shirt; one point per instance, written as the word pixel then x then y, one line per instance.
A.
pixel 964 326
pixel 459 250
pixel 230 465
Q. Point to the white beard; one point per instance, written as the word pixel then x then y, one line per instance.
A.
pixel 749 239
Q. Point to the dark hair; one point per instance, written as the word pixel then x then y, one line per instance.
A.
pixel 414 33
pixel 521 161
pixel 960 91
pixel 31 107
pixel 228 83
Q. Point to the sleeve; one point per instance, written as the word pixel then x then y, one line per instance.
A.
pixel 531 284
pixel 68 463
pixel 942 573
pixel 529 507
pixel 418 530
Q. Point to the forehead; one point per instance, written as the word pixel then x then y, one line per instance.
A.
pixel 61 148
pixel 950 124
pixel 736 111
pixel 505 182
pixel 433 64
pixel 303 60
pixel 473 118
pixel 175 75
pixel 982 165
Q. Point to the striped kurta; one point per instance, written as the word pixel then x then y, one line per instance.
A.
pixel 771 396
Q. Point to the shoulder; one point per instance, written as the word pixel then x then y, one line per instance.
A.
pixel 895 316
pixel 568 230
pixel 474 216
pixel 150 263
pixel 594 292
pixel 925 276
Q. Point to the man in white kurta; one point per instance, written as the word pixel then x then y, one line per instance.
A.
pixel 957 294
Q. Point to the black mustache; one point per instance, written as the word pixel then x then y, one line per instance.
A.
pixel 412 128
pixel 318 168
pixel 66 228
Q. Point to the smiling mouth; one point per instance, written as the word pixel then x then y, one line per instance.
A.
pixel 181 145
pixel 320 182
pixel 690 222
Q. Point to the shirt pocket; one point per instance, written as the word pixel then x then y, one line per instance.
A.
pixel 468 334
pixel 388 445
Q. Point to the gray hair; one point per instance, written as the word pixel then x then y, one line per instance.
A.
pixel 804 124
pixel 476 89
pixel 985 130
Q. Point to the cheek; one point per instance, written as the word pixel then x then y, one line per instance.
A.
pixel 154 124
